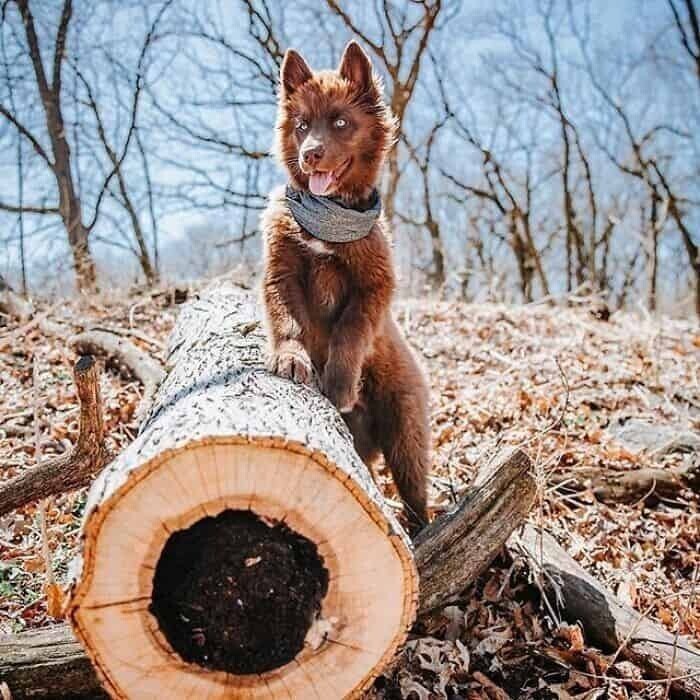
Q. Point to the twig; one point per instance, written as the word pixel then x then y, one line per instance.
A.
pixel 41 511
pixel 688 606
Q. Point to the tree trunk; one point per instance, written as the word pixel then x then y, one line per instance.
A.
pixel 232 453
pixel 70 206
pixel 437 273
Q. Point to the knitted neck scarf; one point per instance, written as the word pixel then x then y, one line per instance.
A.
pixel 329 220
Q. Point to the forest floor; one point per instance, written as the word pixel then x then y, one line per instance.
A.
pixel 584 394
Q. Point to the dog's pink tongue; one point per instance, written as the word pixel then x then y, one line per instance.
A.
pixel 320 182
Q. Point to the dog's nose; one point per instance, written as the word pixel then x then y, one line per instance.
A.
pixel 312 154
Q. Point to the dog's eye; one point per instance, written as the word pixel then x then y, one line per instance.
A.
pixel 340 123
pixel 302 125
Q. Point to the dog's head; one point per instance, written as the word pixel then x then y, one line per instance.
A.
pixel 333 127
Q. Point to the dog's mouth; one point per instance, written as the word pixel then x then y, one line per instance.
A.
pixel 324 182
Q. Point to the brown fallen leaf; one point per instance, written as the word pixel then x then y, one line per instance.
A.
pixel 493 691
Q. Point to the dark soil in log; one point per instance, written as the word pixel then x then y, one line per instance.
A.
pixel 235 594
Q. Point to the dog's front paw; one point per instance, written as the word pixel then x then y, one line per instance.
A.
pixel 292 365
pixel 341 386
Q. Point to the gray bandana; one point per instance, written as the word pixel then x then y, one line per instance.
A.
pixel 329 220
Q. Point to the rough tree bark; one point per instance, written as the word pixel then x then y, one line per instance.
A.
pixel 454 550
pixel 47 663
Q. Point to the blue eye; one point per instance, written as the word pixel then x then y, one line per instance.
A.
pixel 340 123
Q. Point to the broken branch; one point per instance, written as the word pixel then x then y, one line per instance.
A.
pixel 72 470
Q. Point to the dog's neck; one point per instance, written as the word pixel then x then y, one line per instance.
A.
pixel 331 220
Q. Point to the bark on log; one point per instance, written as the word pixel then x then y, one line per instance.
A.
pixel 74 469
pixel 607 622
pixel 225 435
pixel 443 553
pixel 47 663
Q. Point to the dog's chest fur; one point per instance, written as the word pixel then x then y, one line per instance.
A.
pixel 326 282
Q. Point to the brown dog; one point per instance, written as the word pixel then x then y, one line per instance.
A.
pixel 328 302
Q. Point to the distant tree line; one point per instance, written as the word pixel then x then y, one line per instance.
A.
pixel 540 152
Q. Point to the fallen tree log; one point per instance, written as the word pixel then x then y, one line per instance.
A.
pixel 239 547
pixel 52 663
pixel 13 304
pixel 317 568
pixel 47 663
pixel 607 622
pixel 76 468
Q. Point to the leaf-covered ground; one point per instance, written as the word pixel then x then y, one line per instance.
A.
pixel 586 397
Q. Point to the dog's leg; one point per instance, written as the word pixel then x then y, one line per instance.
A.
pixel 404 436
pixel 359 422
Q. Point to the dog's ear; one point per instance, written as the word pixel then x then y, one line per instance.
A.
pixel 356 67
pixel 294 71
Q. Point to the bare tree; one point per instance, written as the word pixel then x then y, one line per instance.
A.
pixel 688 29
pixel 646 161
pixel 60 161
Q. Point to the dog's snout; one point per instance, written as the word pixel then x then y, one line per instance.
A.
pixel 312 154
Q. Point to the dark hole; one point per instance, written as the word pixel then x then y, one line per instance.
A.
pixel 235 594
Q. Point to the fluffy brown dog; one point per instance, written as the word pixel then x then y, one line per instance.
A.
pixel 328 303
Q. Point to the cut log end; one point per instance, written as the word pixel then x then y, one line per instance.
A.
pixel 234 564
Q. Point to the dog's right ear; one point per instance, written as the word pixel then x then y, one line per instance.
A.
pixel 294 71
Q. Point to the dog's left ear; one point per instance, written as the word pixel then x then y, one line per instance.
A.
pixel 294 71
pixel 356 67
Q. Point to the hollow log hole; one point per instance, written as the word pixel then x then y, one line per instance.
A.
pixel 234 593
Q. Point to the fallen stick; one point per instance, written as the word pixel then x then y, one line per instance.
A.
pixel 648 484
pixel 74 469
pixel 607 622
